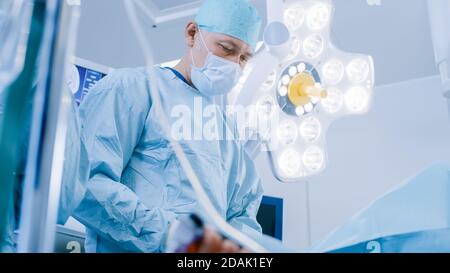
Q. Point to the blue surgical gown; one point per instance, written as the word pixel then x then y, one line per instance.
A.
pixel 136 185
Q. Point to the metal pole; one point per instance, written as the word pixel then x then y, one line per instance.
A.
pixel 48 135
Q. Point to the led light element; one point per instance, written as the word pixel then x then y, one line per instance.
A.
pixel 300 111
pixel 292 71
pixel 290 163
pixel 301 67
pixel 285 80
pixel 357 99
pixel 294 17
pixel 313 159
pixel 283 90
pixel 358 70
pixel 308 107
pixel 313 46
pixel 334 101
pixel 287 132
pixel 310 129
pixel 319 16
pixel 333 71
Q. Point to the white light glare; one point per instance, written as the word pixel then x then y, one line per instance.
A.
pixel 308 107
pixel 313 159
pixel 293 71
pixel 319 16
pixel 283 90
pixel 294 17
pixel 300 111
pixel 333 71
pixel 334 101
pixel 285 79
pixel 289 163
pixel 301 67
pixel 287 132
pixel 310 129
pixel 358 70
pixel 313 46
pixel 357 99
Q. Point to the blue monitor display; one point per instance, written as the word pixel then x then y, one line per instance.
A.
pixel 88 78
pixel 270 216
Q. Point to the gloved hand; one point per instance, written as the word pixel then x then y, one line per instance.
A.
pixel 213 242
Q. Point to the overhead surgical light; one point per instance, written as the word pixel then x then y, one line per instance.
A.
pixel 310 83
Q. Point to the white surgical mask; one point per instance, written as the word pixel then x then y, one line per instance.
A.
pixel 217 77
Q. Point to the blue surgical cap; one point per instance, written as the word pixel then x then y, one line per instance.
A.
pixel 236 18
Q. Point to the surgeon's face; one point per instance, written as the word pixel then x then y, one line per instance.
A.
pixel 220 45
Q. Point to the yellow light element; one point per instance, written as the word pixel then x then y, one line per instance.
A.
pixel 317 92
pixel 302 88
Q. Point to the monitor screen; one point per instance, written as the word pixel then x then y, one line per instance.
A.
pixel 270 216
pixel 83 76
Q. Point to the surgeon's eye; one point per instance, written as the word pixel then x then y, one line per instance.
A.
pixel 244 59
pixel 226 49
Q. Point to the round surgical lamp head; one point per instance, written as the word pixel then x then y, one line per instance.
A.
pixel 304 83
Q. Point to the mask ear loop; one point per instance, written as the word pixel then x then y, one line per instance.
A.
pixel 192 57
pixel 204 44
pixel 203 40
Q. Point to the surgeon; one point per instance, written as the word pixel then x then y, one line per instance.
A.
pixel 137 188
